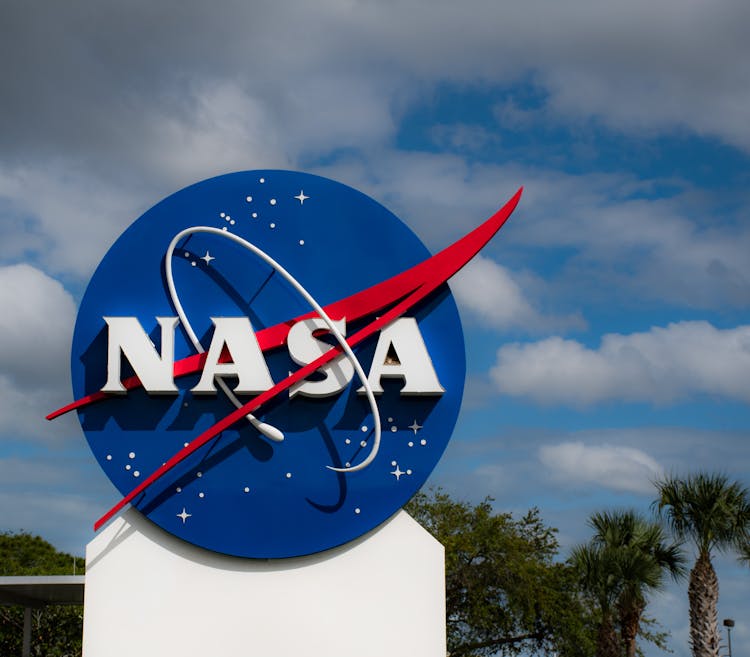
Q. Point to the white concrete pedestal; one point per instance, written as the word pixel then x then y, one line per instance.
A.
pixel 152 595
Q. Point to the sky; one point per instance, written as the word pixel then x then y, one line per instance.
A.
pixel 607 325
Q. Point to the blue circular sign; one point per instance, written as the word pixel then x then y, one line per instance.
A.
pixel 218 275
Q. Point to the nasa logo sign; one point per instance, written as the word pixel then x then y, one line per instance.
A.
pixel 269 364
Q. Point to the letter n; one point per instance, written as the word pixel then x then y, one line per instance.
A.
pixel 127 338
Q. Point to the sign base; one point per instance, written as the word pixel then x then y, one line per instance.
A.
pixel 153 595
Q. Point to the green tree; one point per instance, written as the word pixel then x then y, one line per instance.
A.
pixel 745 552
pixel 631 557
pixel 598 570
pixel 714 514
pixel 504 591
pixel 56 631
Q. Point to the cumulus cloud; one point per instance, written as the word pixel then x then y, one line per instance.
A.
pixel 637 66
pixel 491 294
pixel 310 77
pixel 489 291
pixel 657 71
pixel 35 326
pixel 610 466
pixel 608 236
pixel 136 124
pixel 35 332
pixel 680 248
pixel 662 365
pixel 61 218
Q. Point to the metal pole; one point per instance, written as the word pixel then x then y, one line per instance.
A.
pixel 729 640
pixel 729 624
pixel 26 649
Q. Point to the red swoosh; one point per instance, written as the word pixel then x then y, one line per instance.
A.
pixel 358 305
pixel 407 289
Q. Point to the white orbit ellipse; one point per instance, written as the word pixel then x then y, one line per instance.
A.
pixel 271 432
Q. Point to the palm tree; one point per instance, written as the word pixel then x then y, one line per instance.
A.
pixel 644 558
pixel 745 552
pixel 627 557
pixel 714 514
pixel 598 571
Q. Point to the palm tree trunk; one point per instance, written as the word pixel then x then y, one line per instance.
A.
pixel 630 621
pixel 607 644
pixel 703 595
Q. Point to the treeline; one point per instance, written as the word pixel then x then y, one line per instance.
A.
pixel 509 590
pixel 55 631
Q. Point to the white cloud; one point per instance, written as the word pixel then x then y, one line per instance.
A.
pixel 662 365
pixel 134 126
pixel 672 68
pixel 490 293
pixel 221 128
pixel 338 71
pixel 36 326
pixel 610 466
pixel 678 248
pixel 606 235
pixel 62 216
pixel 23 411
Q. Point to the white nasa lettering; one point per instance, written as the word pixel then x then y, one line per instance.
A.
pixel 305 348
pixel 412 363
pixel 127 337
pixel 248 364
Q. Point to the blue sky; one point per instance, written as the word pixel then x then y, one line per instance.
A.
pixel 607 325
